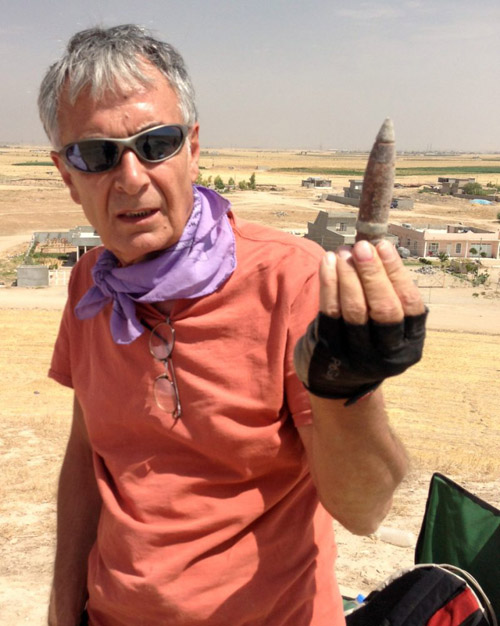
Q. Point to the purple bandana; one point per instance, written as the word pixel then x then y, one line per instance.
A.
pixel 197 265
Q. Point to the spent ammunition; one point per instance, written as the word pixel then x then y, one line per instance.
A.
pixel 378 187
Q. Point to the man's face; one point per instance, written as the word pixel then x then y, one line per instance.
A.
pixel 137 208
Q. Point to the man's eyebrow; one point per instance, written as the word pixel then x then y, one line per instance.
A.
pixel 149 126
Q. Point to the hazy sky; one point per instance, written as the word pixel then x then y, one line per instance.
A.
pixel 290 73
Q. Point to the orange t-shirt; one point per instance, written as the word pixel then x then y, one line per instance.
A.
pixel 215 520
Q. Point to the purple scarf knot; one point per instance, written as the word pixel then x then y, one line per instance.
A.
pixel 197 265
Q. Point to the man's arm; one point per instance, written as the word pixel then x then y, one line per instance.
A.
pixel 78 509
pixel 356 460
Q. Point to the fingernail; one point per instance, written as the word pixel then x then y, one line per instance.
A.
pixel 386 250
pixel 363 251
pixel 344 253
pixel 330 259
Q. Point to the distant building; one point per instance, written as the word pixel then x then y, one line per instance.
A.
pixel 354 190
pixel 453 186
pixel 456 187
pixel 315 182
pixel 455 240
pixel 331 229
pixel 82 238
pixel 352 197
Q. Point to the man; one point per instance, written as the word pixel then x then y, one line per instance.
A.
pixel 190 488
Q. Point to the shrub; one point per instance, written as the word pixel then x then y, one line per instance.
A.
pixel 474 189
pixel 480 279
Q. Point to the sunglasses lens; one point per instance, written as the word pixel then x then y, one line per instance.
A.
pixel 161 143
pixel 92 156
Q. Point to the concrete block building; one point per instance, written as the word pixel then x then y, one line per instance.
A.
pixel 332 229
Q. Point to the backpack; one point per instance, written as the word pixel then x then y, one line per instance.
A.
pixel 425 595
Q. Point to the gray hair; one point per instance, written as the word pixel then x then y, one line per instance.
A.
pixel 108 60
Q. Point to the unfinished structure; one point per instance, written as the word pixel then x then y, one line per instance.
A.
pixel 316 182
pixel 352 197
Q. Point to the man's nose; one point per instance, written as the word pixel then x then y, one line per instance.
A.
pixel 131 174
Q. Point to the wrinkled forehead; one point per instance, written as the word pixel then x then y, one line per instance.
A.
pixel 118 100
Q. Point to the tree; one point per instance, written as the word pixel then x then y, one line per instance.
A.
pixel 219 183
pixel 251 182
pixel 230 182
pixel 243 185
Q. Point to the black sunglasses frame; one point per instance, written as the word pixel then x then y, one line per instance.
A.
pixel 120 145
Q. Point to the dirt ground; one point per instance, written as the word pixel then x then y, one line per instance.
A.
pixel 445 408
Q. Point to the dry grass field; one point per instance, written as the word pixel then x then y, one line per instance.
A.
pixel 446 408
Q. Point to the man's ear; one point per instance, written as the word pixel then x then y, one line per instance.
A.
pixel 194 139
pixel 65 175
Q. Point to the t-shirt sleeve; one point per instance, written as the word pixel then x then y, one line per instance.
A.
pixel 60 367
pixel 304 309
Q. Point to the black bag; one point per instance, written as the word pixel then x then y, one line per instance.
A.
pixel 425 595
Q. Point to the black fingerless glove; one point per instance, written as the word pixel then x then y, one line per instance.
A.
pixel 335 359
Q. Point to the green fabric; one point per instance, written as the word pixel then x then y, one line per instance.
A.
pixel 349 603
pixel 462 530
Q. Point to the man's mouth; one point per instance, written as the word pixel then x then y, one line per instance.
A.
pixel 135 215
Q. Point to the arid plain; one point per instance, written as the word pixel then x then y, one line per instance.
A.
pixel 445 408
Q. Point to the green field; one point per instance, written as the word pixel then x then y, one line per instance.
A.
pixel 33 163
pixel 400 171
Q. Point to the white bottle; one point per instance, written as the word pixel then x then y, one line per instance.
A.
pixel 396 536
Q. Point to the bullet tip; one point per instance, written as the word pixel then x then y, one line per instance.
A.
pixel 386 132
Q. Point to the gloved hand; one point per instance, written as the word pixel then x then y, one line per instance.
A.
pixel 337 359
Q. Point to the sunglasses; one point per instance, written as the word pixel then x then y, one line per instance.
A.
pixel 100 155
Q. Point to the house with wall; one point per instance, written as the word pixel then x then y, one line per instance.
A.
pixel 456 187
pixel 332 229
pixel 455 240
pixel 81 238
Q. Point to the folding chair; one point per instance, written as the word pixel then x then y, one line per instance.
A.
pixel 462 530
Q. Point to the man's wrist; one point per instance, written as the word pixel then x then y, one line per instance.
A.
pixel 351 396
